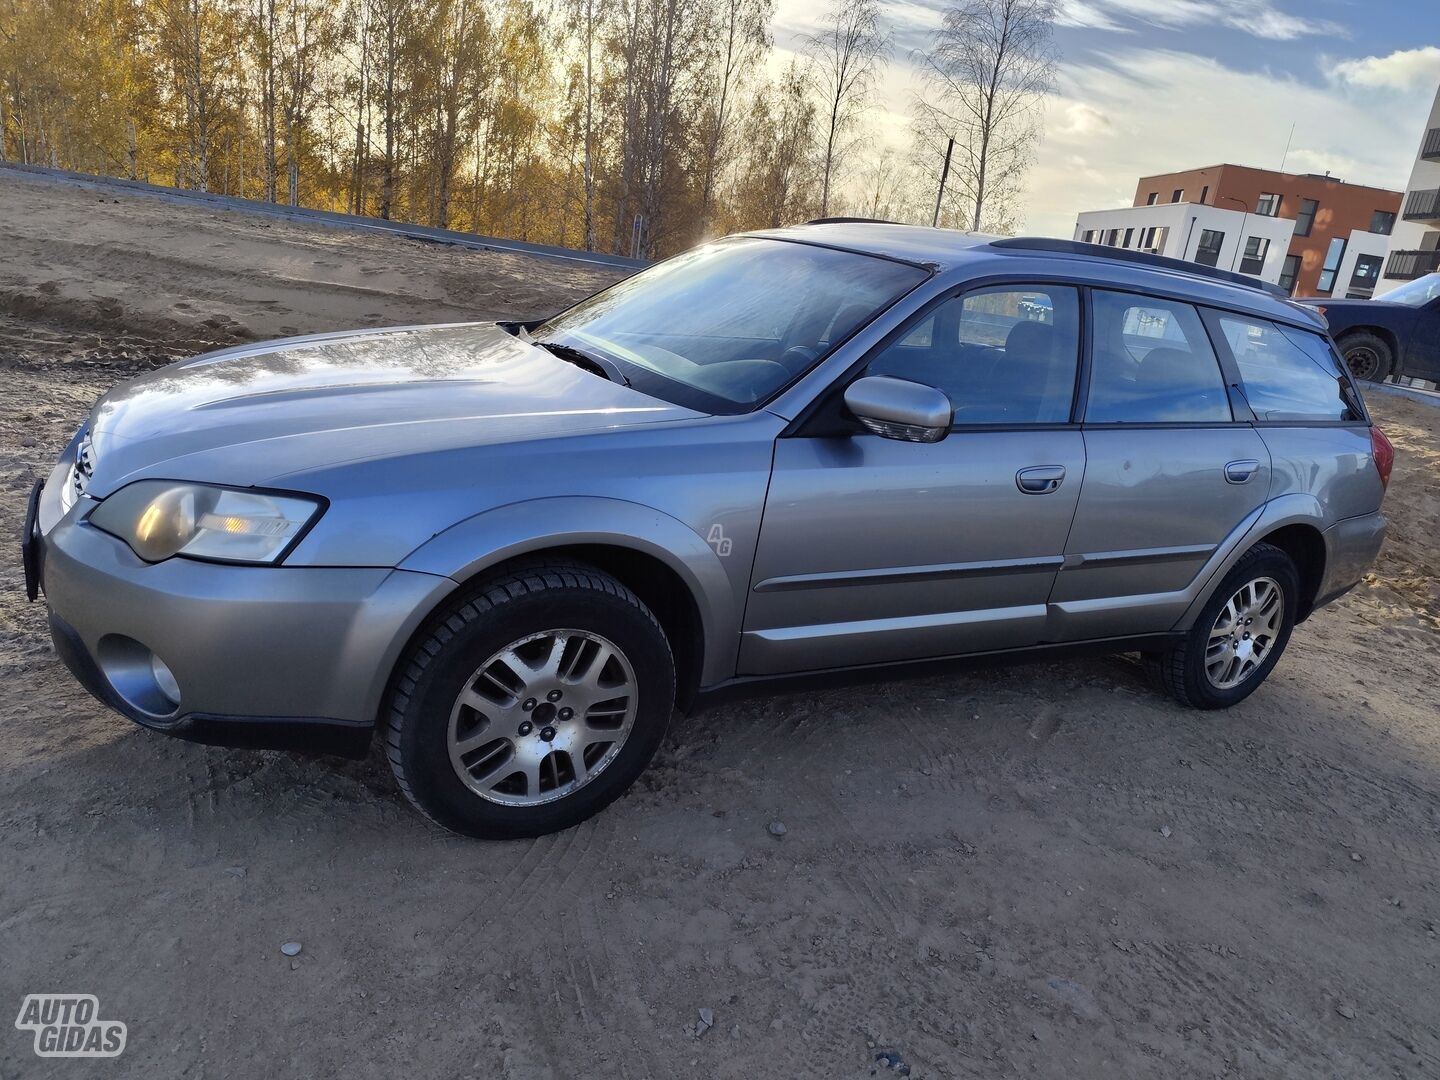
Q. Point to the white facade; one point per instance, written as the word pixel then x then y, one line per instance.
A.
pixel 1179 230
pixel 1371 247
pixel 1415 241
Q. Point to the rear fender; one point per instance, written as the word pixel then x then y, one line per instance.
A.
pixel 1297 508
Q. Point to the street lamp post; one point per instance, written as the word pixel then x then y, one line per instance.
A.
pixel 1244 217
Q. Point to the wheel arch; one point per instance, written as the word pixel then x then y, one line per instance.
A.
pixel 1305 544
pixel 662 560
pixel 1388 336
pixel 1295 523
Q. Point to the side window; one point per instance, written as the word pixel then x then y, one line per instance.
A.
pixel 1005 355
pixel 1288 374
pixel 1152 363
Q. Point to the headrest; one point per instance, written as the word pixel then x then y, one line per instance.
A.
pixel 1029 340
pixel 1166 367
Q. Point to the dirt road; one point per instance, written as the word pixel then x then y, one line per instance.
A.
pixel 1030 871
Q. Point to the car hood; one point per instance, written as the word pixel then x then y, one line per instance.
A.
pixel 256 413
pixel 1349 305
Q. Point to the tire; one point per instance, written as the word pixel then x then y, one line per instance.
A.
pixel 1186 672
pixel 1368 357
pixel 491 672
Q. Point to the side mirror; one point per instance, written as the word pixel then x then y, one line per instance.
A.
pixel 900 409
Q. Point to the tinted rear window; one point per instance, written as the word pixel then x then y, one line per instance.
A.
pixel 1152 364
pixel 1288 374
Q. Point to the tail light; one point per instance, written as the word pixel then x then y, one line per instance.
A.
pixel 1384 453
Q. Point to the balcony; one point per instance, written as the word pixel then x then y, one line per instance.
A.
pixel 1408 265
pixel 1430 148
pixel 1423 206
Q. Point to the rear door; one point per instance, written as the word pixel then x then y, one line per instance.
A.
pixel 1170 474
pixel 1308 414
pixel 874 550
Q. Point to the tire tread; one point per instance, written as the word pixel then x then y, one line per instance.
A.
pixel 485 597
pixel 1167 670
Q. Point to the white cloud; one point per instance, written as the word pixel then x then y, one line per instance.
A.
pixel 1128 115
pixel 1080 119
pixel 1258 17
pixel 1404 69
pixel 1088 15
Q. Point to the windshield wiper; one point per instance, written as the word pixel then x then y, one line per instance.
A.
pixel 597 365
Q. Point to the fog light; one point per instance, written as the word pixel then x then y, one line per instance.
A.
pixel 141 679
pixel 165 679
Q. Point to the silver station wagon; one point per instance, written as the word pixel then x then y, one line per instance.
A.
pixel 841 450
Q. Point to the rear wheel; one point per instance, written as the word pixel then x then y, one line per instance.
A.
pixel 1368 357
pixel 531 704
pixel 1239 636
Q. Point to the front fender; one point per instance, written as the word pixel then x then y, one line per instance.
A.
pixel 474 545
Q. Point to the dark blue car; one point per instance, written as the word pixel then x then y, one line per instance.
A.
pixel 1398 334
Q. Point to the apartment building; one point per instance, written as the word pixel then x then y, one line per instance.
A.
pixel 1312 235
pixel 1415 243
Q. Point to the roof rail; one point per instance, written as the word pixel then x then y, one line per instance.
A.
pixel 852 221
pixel 1140 258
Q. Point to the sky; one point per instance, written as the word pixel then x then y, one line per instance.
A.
pixel 1152 86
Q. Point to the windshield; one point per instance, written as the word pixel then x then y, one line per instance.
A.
pixel 724 327
pixel 1416 293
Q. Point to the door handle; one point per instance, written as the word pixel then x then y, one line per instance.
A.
pixel 1040 479
pixel 1237 472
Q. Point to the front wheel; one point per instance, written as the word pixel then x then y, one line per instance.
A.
pixel 531 703
pixel 1239 636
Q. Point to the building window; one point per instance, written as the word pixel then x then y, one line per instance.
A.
pixel 1129 235
pixel 1088 236
pixel 1268 206
pixel 1256 248
pixel 1204 191
pixel 1154 238
pixel 1367 271
pixel 1150 199
pixel 1382 221
pixel 1305 220
pixel 1208 252
pixel 1177 194
pixel 1289 272
pixel 1111 237
pixel 1333 257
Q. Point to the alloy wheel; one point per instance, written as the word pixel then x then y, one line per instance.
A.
pixel 1244 633
pixel 542 717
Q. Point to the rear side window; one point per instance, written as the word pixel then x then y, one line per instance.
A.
pixel 1003 355
pixel 1152 364
pixel 1288 374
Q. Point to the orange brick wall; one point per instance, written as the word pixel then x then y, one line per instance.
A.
pixel 1343 207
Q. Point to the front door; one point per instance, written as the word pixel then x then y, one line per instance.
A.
pixel 1169 474
pixel 875 550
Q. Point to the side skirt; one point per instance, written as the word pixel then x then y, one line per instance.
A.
pixel 751 686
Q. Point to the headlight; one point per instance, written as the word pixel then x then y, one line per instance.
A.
pixel 163 518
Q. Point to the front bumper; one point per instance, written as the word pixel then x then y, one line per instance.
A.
pixel 261 656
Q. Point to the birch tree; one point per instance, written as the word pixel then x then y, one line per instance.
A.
pixel 848 54
pixel 742 37
pixel 987 71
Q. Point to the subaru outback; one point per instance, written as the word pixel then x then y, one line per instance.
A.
pixel 835 451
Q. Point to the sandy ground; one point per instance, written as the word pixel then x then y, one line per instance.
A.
pixel 1031 871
